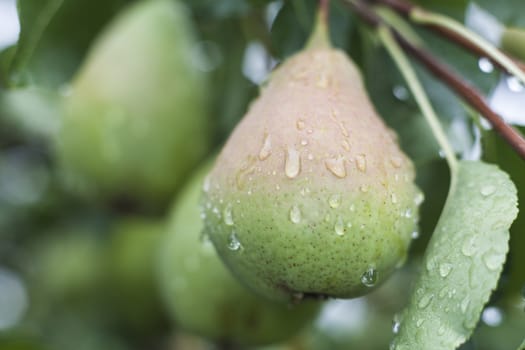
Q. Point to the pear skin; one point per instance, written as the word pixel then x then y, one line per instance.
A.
pixel 201 294
pixel 311 195
pixel 135 120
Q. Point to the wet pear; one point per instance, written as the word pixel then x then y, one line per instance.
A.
pixel 134 119
pixel 312 185
pixel 202 295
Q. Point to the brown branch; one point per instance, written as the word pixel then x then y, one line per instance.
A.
pixel 444 73
pixel 404 8
pixel 324 9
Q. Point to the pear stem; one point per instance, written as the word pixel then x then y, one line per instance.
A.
pixel 415 86
pixel 324 10
pixel 320 37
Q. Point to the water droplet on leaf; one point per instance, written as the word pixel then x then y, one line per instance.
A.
pixel 488 190
pixel 444 269
pixel 485 65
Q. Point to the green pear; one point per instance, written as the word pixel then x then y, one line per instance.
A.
pixel 311 195
pixel 134 121
pixel 132 260
pixel 202 295
pixel 67 267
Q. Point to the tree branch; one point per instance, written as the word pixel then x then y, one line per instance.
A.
pixel 405 8
pixel 442 72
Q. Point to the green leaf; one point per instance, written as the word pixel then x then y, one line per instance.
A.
pixel 54 36
pixel 463 261
pixel 454 8
pixel 34 19
pixel 522 346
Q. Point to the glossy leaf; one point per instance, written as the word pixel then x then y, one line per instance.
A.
pixel 54 36
pixel 463 261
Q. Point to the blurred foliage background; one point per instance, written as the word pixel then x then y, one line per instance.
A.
pixel 79 271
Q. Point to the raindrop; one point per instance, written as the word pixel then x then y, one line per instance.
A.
pixel 295 214
pixel 396 162
pixel 304 142
pixel 363 188
pixel 492 316
pixel 300 124
pixel 493 260
pixel 419 322
pixel 233 242
pixel 292 163
pixel 361 162
pixel 247 168
pixel 216 211
pixel 469 246
pixel 408 213
pixel 352 207
pixel 425 301
pixel 487 190
pixel 464 304
pixel 393 198
pixel 514 84
pixel 227 214
pixel 400 92
pixel 369 277
pixel 485 65
pixel 419 198
pixel 266 148
pixel 336 166
pixel 323 81
pixel 415 234
pixel 310 156
pixel 346 145
pixel 334 201
pixel 444 269
pixel 340 228
pixel 396 324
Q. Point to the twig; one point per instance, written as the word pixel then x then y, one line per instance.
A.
pixel 442 72
pixel 324 9
pixel 406 8
pixel 415 86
